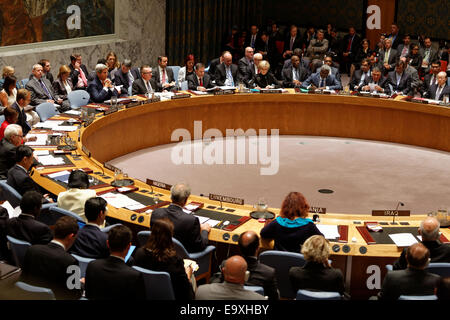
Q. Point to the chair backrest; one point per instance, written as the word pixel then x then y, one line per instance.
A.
pixel 180 249
pixel 18 249
pixel 257 289
pixel 10 194
pixel 46 110
pixel 176 70
pixel 24 82
pixel 184 85
pixel 29 292
pixel 282 261
pixel 106 229
pixel 142 237
pixel 62 212
pixel 78 98
pixel 83 262
pixel 440 268
pixel 158 285
pixel 428 297
pixel 317 295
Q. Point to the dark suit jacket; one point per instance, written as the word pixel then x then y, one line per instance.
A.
pixel 59 89
pixel 356 43
pixel 246 70
pixel 212 68
pixel 157 78
pixel 21 181
pixel 432 92
pixel 407 282
pixel 316 276
pixel 356 79
pixel 46 266
pixel 123 79
pixel 288 77
pixel 193 81
pixel 38 94
pixel 397 41
pixel 391 61
pixel 26 228
pixel 266 80
pixel 433 55
pixel 248 40
pixel 383 83
pixel 186 227
pixel 404 84
pixel 439 252
pixel 262 275
pixel 22 119
pixel 98 95
pixel 112 279
pixel 7 157
pixel 74 74
pixel 426 82
pixel 221 74
pixel 139 87
pixel 330 82
pixel 298 43
pixel 91 243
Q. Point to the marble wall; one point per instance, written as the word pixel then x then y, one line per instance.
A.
pixel 140 36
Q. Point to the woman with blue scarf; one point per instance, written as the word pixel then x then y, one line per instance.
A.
pixel 291 228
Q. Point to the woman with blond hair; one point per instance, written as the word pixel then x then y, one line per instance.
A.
pixel 317 273
pixel 292 227
pixel 63 84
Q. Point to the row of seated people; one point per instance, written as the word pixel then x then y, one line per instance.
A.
pixel 45 263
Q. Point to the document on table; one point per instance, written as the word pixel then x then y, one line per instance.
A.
pixel 65 128
pixel 212 222
pixel 119 200
pixel 403 239
pixel 50 160
pixel 62 176
pixel 73 112
pixel 202 219
pixel 49 124
pixel 329 231
pixel 41 152
pixel 41 139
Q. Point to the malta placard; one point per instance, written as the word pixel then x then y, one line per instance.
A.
pixel 227 199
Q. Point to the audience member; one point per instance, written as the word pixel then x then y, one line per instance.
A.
pixel 25 227
pixel 200 81
pixel 62 86
pixel 430 79
pixel 91 240
pixel 363 53
pixel 46 67
pixel 79 72
pixel 8 71
pixel 27 117
pixel 163 75
pixel 394 36
pixel 291 228
pixel 328 59
pixel 235 274
pixel 111 278
pixel 350 45
pixel 8 95
pixel 102 88
pixel 429 55
pixel 404 48
pixel 49 265
pixel 442 290
pixel 388 57
pixel 146 84
pixel 227 72
pixel 414 280
pixel 187 229
pixel 415 57
pixel 317 273
pixel 292 42
pixel 159 254
pixel 187 69
pixel 74 198
pixel 317 49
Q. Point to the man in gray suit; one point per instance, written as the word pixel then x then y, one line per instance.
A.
pixel 428 54
pixel 388 57
pixel 235 274
pixel 42 90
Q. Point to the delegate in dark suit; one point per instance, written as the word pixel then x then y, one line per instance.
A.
pixel 25 227
pixel 428 81
pixel 38 94
pixel 439 252
pixel 7 157
pixel 330 82
pixel 245 72
pixel 19 179
pixel 407 282
pixel 383 83
pixel 157 76
pixel 288 76
pixel 404 83
pixel 432 92
pixel 22 119
pixel 193 82
pixel 91 243
pixel 392 60
pixel 262 275
pixel 97 93
pixel 123 79
pixel 112 279
pixel 139 87
pixel 221 74
pixel 186 227
pixel 315 276
pixel 212 68
pixel 60 89
pixel 46 266
pixel 264 80
pixel 356 79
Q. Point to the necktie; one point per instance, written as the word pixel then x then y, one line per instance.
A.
pixel 295 74
pixel 201 82
pixel 253 41
pixel 386 56
pixel 163 76
pixel 322 83
pixel 433 80
pixel 230 77
pixel 83 77
pixel 130 76
pixel 404 51
pixel 349 47
pixel 292 43
pixel 45 89
pixel 149 87
pixel 438 93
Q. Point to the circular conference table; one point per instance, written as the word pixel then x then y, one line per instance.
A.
pixel 149 125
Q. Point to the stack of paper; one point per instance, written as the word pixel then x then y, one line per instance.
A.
pixel 41 140
pixel 403 239
pixel 50 160
pixel 62 176
pixel 119 200
pixel 73 112
pixel 329 231
pixel 65 128
pixel 49 124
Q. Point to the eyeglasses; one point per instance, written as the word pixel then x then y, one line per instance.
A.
pixel 146 72
pixel 19 135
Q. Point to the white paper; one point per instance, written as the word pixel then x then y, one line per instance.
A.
pixel 65 128
pixel 58 174
pixel 49 124
pixel 202 219
pixel 135 207
pixel 329 231
pixel 11 211
pixel 41 139
pixel 199 92
pixel 41 152
pixel 119 200
pixel 74 112
pixel 403 239
pixel 191 207
pixel 212 222
pixel 50 160
pixel 227 88
pixel 187 211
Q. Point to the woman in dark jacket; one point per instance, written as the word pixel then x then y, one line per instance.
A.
pixel 264 79
pixel 63 84
pixel 159 255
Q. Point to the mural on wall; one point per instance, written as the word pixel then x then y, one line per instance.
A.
pixel 31 21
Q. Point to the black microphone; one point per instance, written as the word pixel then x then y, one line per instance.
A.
pixel 396 211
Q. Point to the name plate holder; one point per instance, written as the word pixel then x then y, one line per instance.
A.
pixel 133 104
pixel 180 96
pixel 227 199
pixel 391 213
pixel 88 122
pixel 318 210
pixel 152 100
pixel 271 91
pixel 110 167
pixel 158 184
pixel 110 110
pixel 223 92
pixel 86 151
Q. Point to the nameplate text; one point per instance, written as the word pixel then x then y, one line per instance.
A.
pixel 217 197
pixel 158 184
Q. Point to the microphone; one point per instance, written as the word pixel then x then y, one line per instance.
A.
pixel 396 211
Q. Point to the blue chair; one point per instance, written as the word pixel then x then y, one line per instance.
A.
pixel 46 110
pixel 78 98
pixel 83 262
pixel 18 249
pixel 203 258
pixel 257 289
pixel 13 197
pixel 62 212
pixel 317 295
pixel 29 292
pixel 24 82
pixel 176 70
pixel 282 261
pixel 440 268
pixel 428 297
pixel 184 85
pixel 106 229
pixel 389 267
pixel 158 285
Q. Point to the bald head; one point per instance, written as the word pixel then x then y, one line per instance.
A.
pixel 234 270
pixel 228 59
pixel 248 243
pixel 417 256
pixel 429 229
